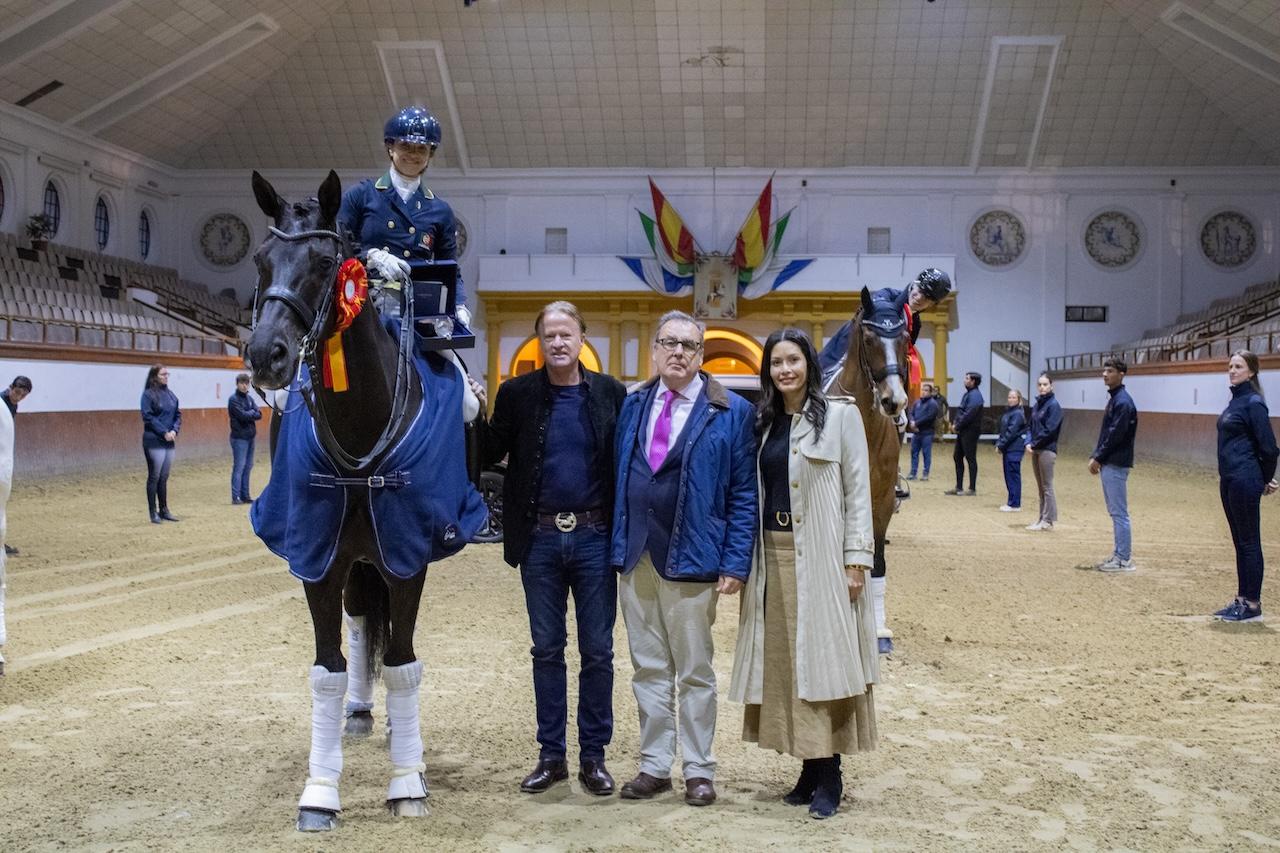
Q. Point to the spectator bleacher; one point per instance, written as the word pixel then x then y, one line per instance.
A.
pixel 67 297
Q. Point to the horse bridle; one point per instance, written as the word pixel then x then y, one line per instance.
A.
pixel 876 376
pixel 313 320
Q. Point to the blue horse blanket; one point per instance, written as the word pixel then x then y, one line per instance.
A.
pixel 429 518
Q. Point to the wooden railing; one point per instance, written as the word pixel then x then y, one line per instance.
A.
pixel 1205 349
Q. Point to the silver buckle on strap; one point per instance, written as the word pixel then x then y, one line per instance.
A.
pixel 377 481
pixel 566 522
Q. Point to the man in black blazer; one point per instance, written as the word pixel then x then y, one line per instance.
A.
pixel 556 428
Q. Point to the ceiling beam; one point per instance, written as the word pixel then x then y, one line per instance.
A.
pixel 52 25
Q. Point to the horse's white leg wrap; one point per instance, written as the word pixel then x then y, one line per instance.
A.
pixel 325 767
pixel 407 781
pixel 2 586
pixel 359 681
pixel 877 604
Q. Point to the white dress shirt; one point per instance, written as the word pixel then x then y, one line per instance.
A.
pixel 405 187
pixel 681 408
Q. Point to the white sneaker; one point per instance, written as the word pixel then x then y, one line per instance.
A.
pixel 1035 526
pixel 1115 564
pixel 1110 559
pixel 1007 508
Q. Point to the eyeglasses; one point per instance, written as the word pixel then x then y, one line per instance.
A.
pixel 670 344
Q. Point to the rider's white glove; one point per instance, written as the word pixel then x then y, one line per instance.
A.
pixel 464 316
pixel 387 266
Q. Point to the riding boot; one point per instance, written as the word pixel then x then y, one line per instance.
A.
pixel 826 798
pixel 802 793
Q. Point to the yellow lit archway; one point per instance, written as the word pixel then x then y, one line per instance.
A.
pixel 728 352
pixel 528 358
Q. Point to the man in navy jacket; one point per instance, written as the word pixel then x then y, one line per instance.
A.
pixel 1112 459
pixel 968 426
pixel 684 525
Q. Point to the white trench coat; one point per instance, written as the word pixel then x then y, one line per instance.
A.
pixel 835 642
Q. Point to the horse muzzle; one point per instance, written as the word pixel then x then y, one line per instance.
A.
pixel 270 359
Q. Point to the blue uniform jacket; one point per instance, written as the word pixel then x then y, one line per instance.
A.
pixel 970 414
pixel 244 415
pixel 421 229
pixel 1012 440
pixel 429 519
pixel 716 511
pixel 1246 442
pixel 1119 428
pixel 1046 422
pixel 160 414
pixel 925 414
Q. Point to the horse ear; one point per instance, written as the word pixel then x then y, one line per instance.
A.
pixel 268 199
pixel 330 197
pixel 865 304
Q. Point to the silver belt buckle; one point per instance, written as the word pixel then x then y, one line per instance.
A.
pixel 566 522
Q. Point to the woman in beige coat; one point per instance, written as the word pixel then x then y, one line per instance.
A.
pixel 806 657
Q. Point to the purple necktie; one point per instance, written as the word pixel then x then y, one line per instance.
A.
pixel 662 433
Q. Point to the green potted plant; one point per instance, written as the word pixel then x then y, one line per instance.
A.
pixel 40 229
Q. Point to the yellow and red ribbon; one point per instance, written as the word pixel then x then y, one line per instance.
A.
pixel 353 290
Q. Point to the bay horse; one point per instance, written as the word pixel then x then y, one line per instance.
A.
pixel 356 428
pixel 874 372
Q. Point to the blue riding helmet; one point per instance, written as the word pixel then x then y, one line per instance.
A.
pixel 415 125
pixel 933 283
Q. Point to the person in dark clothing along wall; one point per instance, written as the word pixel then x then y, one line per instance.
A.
pixel 1247 457
pixel 244 415
pixel 921 425
pixel 1113 459
pixel 1012 444
pixel 17 391
pixel 161 421
pixel 968 427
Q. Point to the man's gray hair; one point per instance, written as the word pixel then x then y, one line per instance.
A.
pixel 681 316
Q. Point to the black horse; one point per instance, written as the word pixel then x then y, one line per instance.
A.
pixel 357 428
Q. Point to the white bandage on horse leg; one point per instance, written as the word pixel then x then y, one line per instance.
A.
pixel 877 604
pixel 406 734
pixel 325 765
pixel 2 586
pixel 470 402
pixel 359 679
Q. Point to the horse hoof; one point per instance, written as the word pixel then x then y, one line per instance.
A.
pixel 416 807
pixel 885 645
pixel 316 820
pixel 359 724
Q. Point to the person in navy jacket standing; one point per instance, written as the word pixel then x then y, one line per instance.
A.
pixel 1247 457
pixel 161 421
pixel 1113 459
pixel 684 526
pixel 968 426
pixel 923 420
pixel 1011 442
pixel 244 415
pixel 1046 423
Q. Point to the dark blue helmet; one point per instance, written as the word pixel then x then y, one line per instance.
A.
pixel 415 125
pixel 933 283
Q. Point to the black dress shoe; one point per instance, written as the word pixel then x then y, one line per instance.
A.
pixel 168 516
pixel 545 774
pixel 645 787
pixel 155 518
pixel 595 778
pixel 10 550
pixel 699 791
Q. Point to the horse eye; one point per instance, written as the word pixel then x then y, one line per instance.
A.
pixel 326 263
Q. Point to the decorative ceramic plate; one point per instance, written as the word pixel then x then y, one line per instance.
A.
pixel 1113 239
pixel 997 238
pixel 224 239
pixel 1228 239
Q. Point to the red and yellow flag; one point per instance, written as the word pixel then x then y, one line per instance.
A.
pixel 753 239
pixel 675 237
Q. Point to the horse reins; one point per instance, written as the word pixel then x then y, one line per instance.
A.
pixel 314 320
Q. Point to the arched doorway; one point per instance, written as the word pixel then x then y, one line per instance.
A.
pixel 726 352
pixel 528 358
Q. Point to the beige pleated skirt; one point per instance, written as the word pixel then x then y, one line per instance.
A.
pixel 783 721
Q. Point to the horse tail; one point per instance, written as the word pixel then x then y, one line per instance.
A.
pixel 369 588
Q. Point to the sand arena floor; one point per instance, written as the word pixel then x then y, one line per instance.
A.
pixel 156 696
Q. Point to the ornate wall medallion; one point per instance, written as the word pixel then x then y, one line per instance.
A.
pixel 1113 239
pixel 997 238
pixel 224 239
pixel 460 238
pixel 1228 239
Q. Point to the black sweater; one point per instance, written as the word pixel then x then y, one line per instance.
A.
pixel 1246 442
pixel 1119 428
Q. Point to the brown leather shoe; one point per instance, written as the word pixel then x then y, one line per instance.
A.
pixel 699 792
pixel 545 774
pixel 595 778
pixel 644 787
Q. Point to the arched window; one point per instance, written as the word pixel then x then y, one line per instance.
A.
pixel 53 206
pixel 102 223
pixel 1 196
pixel 528 357
pixel 144 235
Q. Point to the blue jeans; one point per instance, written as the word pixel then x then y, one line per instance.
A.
pixel 241 465
pixel 557 563
pixel 1115 482
pixel 921 442
pixel 1013 476
pixel 1240 499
